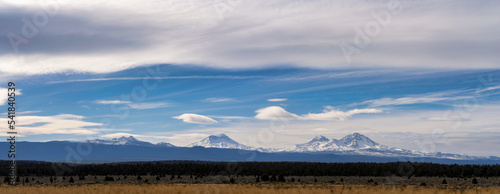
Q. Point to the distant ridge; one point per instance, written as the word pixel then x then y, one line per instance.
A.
pixel 351 148
pixel 131 140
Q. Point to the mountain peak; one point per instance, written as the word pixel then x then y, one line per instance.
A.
pixel 130 138
pixel 165 144
pixel 220 140
pixel 319 138
pixel 222 135
pixel 357 140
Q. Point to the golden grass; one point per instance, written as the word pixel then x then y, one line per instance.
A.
pixel 240 188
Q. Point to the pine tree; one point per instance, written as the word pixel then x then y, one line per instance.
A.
pixel 474 181
pixel 273 178
pixel 71 180
pixel 109 178
pixel 264 177
pixel 281 178
pixel 444 182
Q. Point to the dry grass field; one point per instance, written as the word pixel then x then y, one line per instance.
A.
pixel 241 188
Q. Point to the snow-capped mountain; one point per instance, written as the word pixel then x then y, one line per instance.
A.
pixel 128 141
pixel 356 140
pixel 351 148
pixel 317 143
pixel 352 144
pixel 358 144
pixel 220 141
pixel 164 144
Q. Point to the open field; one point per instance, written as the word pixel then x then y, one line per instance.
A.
pixel 242 188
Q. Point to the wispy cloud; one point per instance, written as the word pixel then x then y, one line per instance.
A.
pixel 112 102
pixel 57 124
pixel 419 98
pixel 489 89
pixel 277 100
pixel 154 78
pixel 4 97
pixel 447 37
pixel 118 135
pixel 143 106
pixel 217 99
pixel 195 118
pixel 137 106
pixel 329 113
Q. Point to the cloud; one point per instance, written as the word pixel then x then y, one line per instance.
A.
pixel 112 102
pixel 331 114
pixel 155 78
pixel 4 97
pixel 118 135
pixel 195 118
pixel 296 33
pixel 489 89
pixel 276 112
pixel 420 98
pixel 143 106
pixel 277 100
pixel 213 100
pixel 57 124
pixel 137 106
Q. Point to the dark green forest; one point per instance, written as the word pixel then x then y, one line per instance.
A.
pixel 198 168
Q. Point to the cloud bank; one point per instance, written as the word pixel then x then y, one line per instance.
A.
pixel 276 112
pixel 89 37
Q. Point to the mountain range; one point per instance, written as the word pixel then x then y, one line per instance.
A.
pixel 352 144
pixel 351 148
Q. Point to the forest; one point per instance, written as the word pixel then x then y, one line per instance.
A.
pixel 201 168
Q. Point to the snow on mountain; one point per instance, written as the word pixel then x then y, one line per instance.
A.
pixel 220 141
pixel 358 144
pixel 164 144
pixel 127 141
pixel 357 141
pixel 316 144
pixel 352 144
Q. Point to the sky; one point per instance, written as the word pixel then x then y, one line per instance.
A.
pixel 420 75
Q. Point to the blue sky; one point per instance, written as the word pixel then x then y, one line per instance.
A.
pixel 395 106
pixel 420 75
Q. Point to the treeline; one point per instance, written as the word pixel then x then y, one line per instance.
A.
pixel 29 168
